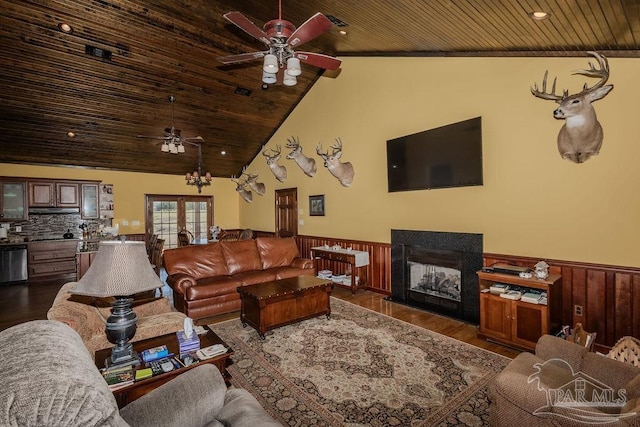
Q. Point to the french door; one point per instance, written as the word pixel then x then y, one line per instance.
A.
pixel 166 215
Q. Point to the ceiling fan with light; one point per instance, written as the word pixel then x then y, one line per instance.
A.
pixel 281 37
pixel 173 142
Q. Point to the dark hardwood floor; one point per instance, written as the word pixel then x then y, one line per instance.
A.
pixel 21 303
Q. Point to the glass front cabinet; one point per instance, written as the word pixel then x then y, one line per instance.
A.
pixel 13 202
pixel 90 207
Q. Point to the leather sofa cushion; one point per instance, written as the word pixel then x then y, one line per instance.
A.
pixel 241 255
pixel 198 261
pixel 277 251
pixel 212 287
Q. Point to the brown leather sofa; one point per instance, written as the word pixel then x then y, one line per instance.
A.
pixel 204 278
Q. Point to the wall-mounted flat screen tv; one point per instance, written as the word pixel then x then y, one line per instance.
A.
pixel 448 156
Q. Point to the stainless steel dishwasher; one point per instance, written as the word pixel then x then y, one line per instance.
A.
pixel 13 263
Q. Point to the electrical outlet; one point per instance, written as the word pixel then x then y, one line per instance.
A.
pixel 125 223
pixel 577 310
pixel 301 222
pixel 18 229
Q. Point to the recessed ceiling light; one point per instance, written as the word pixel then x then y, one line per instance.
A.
pixel 539 16
pixel 65 28
pixel 343 32
pixel 71 134
pixel 224 153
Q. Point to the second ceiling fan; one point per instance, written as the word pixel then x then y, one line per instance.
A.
pixel 173 142
pixel 281 37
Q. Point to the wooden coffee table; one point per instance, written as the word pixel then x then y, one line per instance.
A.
pixel 128 394
pixel 269 305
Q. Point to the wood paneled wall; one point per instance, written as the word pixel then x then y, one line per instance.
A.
pixel 608 297
pixel 604 298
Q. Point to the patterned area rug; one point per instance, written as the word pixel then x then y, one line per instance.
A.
pixel 361 368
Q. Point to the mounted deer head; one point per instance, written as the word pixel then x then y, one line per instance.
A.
pixel 252 180
pixel 343 171
pixel 280 172
pixel 307 164
pixel 581 135
pixel 247 195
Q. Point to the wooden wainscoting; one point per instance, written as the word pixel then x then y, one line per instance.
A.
pixel 604 298
pixel 378 271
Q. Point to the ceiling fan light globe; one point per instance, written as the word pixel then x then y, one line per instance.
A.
pixel 180 148
pixel 164 148
pixel 268 78
pixel 293 67
pixel 289 80
pixel 270 64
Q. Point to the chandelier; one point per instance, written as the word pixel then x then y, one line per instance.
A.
pixel 196 178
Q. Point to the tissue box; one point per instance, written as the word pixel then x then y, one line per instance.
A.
pixel 188 344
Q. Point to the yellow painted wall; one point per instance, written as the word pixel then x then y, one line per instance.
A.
pixel 533 203
pixel 129 191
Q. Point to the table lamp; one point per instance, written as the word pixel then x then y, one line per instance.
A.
pixel 120 269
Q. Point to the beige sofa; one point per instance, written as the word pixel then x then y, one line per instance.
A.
pixel 539 390
pixel 49 379
pixel 205 278
pixel 85 317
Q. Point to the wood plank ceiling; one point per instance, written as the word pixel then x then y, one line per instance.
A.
pixel 170 47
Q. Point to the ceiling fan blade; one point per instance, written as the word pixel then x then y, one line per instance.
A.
pixel 319 60
pixel 247 26
pixel 194 138
pixel 243 57
pixel 154 137
pixel 310 29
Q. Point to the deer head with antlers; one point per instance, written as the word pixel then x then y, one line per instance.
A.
pixel 343 171
pixel 252 181
pixel 280 172
pixel 581 135
pixel 307 164
pixel 247 195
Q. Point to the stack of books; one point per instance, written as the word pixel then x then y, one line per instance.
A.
pixel 532 297
pixel 117 378
pixel 514 295
pixel 498 288
pixel 188 344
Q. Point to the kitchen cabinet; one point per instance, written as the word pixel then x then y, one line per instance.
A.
pixel 515 322
pixel 13 200
pixel 67 195
pixel 89 208
pixel 52 260
pixel 42 194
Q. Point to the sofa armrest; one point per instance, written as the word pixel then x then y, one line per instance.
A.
pixel 179 282
pixel 191 399
pixel 242 409
pixel 152 308
pixel 303 263
pixel 551 347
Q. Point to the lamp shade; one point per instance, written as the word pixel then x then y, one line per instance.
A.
pixel 119 269
pixel 289 80
pixel 270 64
pixel 293 66
pixel 268 78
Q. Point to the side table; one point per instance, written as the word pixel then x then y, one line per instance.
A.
pixel 357 260
pixel 128 394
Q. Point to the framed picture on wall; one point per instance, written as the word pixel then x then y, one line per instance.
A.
pixel 316 205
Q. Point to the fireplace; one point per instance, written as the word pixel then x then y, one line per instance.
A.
pixel 437 271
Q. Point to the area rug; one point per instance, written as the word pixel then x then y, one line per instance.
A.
pixel 361 368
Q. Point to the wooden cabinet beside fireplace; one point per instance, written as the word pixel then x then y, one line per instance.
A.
pixel 514 322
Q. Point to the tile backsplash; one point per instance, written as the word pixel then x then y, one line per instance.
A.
pixel 54 226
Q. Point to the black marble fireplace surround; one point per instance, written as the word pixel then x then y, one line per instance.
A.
pixel 470 248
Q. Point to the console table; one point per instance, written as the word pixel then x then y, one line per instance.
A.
pixel 357 260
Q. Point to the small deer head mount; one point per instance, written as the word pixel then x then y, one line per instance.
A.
pixel 343 171
pixel 252 181
pixel 307 164
pixel 280 172
pixel 247 195
pixel 581 135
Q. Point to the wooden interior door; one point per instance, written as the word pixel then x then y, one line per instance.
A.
pixel 287 212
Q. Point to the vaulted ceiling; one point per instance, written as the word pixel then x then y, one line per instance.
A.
pixel 52 83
